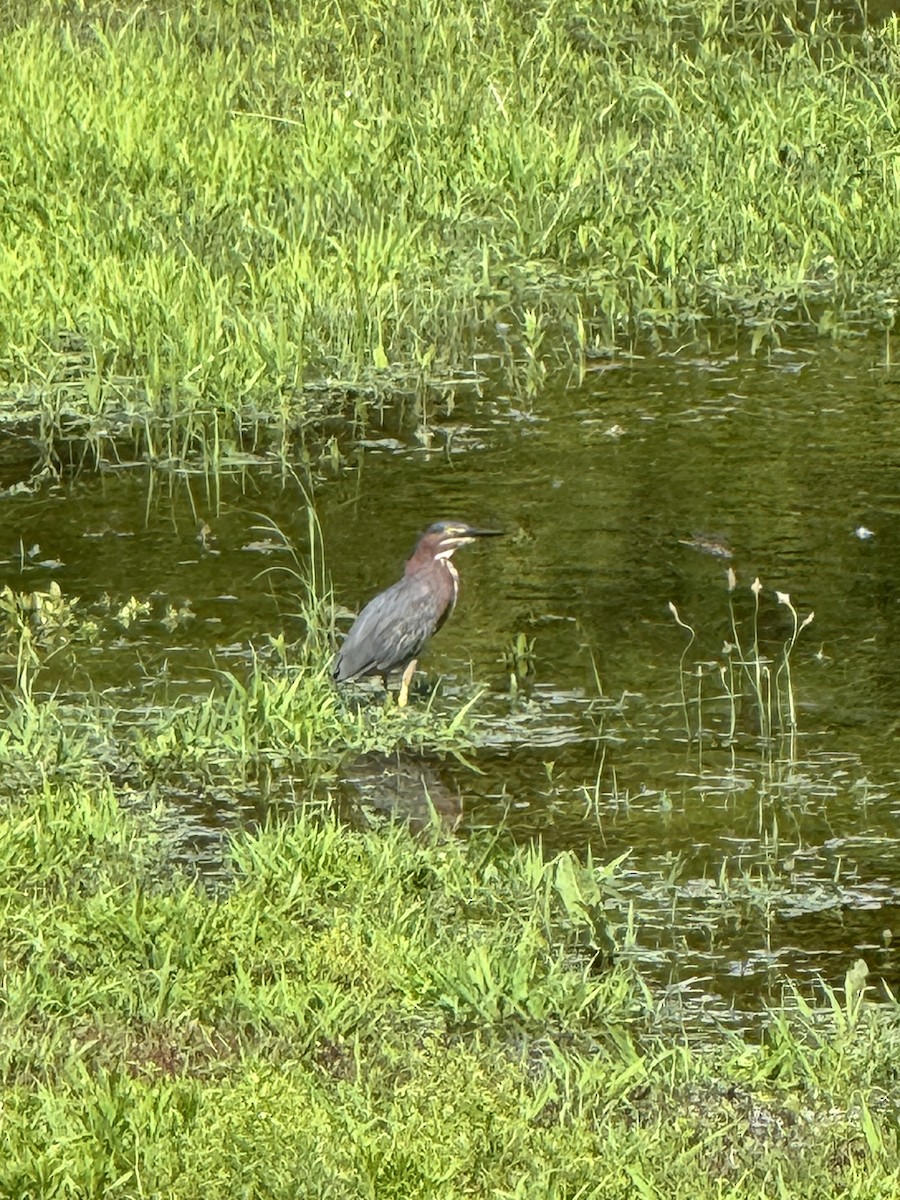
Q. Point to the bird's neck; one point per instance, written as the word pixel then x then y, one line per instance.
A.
pixel 443 562
pixel 422 559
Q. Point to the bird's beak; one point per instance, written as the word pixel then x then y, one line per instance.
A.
pixel 472 532
pixel 464 535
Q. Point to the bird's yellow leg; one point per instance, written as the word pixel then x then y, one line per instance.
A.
pixel 403 698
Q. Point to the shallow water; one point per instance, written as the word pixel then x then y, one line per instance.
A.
pixel 639 485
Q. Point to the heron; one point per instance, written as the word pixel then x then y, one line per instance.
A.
pixel 391 631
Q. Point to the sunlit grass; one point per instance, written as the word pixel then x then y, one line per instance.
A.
pixel 212 209
pixel 371 1013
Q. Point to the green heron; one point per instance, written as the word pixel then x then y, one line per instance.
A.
pixel 389 633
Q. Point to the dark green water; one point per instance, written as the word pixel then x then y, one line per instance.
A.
pixel 619 494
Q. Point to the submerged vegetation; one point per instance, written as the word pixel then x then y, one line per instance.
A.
pixel 219 217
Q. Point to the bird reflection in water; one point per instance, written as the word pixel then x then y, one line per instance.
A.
pixel 406 786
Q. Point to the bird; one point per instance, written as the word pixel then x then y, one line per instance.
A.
pixel 390 632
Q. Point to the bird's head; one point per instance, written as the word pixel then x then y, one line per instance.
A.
pixel 441 539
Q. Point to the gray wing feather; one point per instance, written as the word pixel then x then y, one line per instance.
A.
pixel 390 631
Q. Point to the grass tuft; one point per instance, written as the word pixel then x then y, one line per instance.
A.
pixel 754 684
pixel 214 215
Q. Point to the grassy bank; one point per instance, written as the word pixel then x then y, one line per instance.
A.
pixel 212 211
pixel 364 1014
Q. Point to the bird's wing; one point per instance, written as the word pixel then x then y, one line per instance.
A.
pixel 390 630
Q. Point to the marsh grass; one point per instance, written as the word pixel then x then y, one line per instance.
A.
pixel 286 705
pixel 364 1013
pixel 281 713
pixel 753 682
pixel 216 213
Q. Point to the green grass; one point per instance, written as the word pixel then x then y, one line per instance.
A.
pixel 280 711
pixel 217 217
pixel 363 1014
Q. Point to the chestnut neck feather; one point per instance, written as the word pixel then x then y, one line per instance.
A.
pixel 424 555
